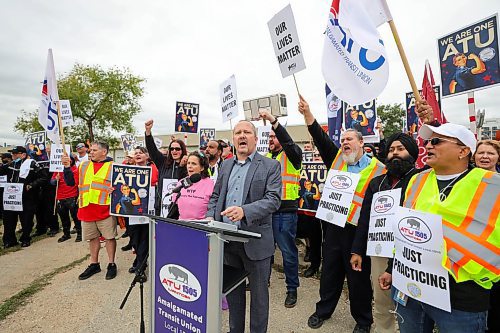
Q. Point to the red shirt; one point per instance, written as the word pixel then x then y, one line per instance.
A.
pixel 63 190
pixel 94 212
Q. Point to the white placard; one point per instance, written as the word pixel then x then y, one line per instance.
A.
pixel 228 99
pixel 337 197
pixel 13 197
pixel 286 42
pixel 66 113
pixel 168 184
pixel 382 215
pixel 56 154
pixel 3 180
pixel 158 142
pixel 417 271
pixel 263 139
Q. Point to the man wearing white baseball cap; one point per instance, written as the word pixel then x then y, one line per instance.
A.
pixel 467 199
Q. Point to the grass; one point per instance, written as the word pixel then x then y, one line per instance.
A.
pixel 18 247
pixel 21 298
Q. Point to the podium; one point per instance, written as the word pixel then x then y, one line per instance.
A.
pixel 188 277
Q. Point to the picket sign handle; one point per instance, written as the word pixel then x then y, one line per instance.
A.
pixel 405 61
pixel 296 86
pixel 472 112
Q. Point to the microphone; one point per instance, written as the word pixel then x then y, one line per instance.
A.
pixel 185 183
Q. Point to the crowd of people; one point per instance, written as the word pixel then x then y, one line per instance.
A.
pixel 261 194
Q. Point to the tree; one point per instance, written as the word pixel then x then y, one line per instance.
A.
pixel 391 117
pixel 27 122
pixel 102 102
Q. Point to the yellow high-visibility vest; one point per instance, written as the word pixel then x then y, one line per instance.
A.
pixel 94 187
pixel 289 177
pixel 470 222
pixel 374 169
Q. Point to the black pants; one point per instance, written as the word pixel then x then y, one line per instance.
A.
pixel 45 217
pixel 336 266
pixel 10 219
pixel 139 239
pixel 314 229
pixel 65 208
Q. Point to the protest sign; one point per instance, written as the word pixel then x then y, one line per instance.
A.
pixel 335 116
pixel 134 220
pixel 36 144
pixel 382 215
pixel 186 117
pixel 228 99
pixel 469 58
pixel 66 113
pixel 128 142
pixel 13 197
pixel 337 196
pixel 286 42
pixel 263 139
pixel 417 271
pixel 411 115
pixel 3 180
pixel 307 156
pixel 312 180
pixel 140 143
pixel 56 154
pixel 168 185
pixel 131 184
pixel 206 134
pixel 362 118
pixel 158 143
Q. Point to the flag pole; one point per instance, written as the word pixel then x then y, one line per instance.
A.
pixel 61 135
pixel 405 61
pixel 296 86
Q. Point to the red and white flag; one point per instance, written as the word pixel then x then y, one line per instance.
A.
pixel 47 113
pixel 355 64
pixel 429 94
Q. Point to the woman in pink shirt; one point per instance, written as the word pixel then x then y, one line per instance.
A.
pixel 193 201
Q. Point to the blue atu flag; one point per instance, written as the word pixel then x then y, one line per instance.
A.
pixel 469 59
pixel 186 117
pixel 335 118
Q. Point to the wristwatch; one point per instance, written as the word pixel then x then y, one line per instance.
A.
pixel 275 121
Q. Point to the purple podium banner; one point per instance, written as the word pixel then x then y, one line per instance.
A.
pixel 181 273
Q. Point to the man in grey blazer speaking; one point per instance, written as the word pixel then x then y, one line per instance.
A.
pixel 247 193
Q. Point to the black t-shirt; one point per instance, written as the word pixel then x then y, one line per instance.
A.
pixel 468 295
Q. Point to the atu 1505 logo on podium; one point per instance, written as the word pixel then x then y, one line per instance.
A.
pixel 180 283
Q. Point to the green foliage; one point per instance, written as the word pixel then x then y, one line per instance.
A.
pixel 27 122
pixel 392 118
pixel 103 102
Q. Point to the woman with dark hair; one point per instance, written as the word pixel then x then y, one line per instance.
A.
pixel 139 233
pixel 173 166
pixel 193 202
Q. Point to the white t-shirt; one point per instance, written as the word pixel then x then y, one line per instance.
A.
pixel 81 159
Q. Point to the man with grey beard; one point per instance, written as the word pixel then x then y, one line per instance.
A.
pixel 349 157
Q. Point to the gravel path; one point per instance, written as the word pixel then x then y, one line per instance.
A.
pixel 70 305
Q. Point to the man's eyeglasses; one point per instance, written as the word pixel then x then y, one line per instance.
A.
pixel 175 148
pixel 436 141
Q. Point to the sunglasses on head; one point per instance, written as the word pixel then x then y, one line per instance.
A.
pixel 175 148
pixel 436 141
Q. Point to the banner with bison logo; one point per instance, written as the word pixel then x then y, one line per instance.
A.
pixel 417 271
pixel 337 196
pixel 181 279
pixel 382 215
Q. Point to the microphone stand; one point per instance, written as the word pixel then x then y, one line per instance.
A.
pixel 140 277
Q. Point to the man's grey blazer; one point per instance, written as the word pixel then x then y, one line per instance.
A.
pixel 261 198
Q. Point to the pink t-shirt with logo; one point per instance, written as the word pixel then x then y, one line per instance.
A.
pixel 193 202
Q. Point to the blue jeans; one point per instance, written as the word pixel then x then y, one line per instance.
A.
pixel 285 230
pixel 418 317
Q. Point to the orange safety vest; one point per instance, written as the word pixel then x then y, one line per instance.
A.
pixel 374 169
pixel 94 187
pixel 470 219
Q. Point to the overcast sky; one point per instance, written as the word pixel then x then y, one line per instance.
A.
pixel 185 49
